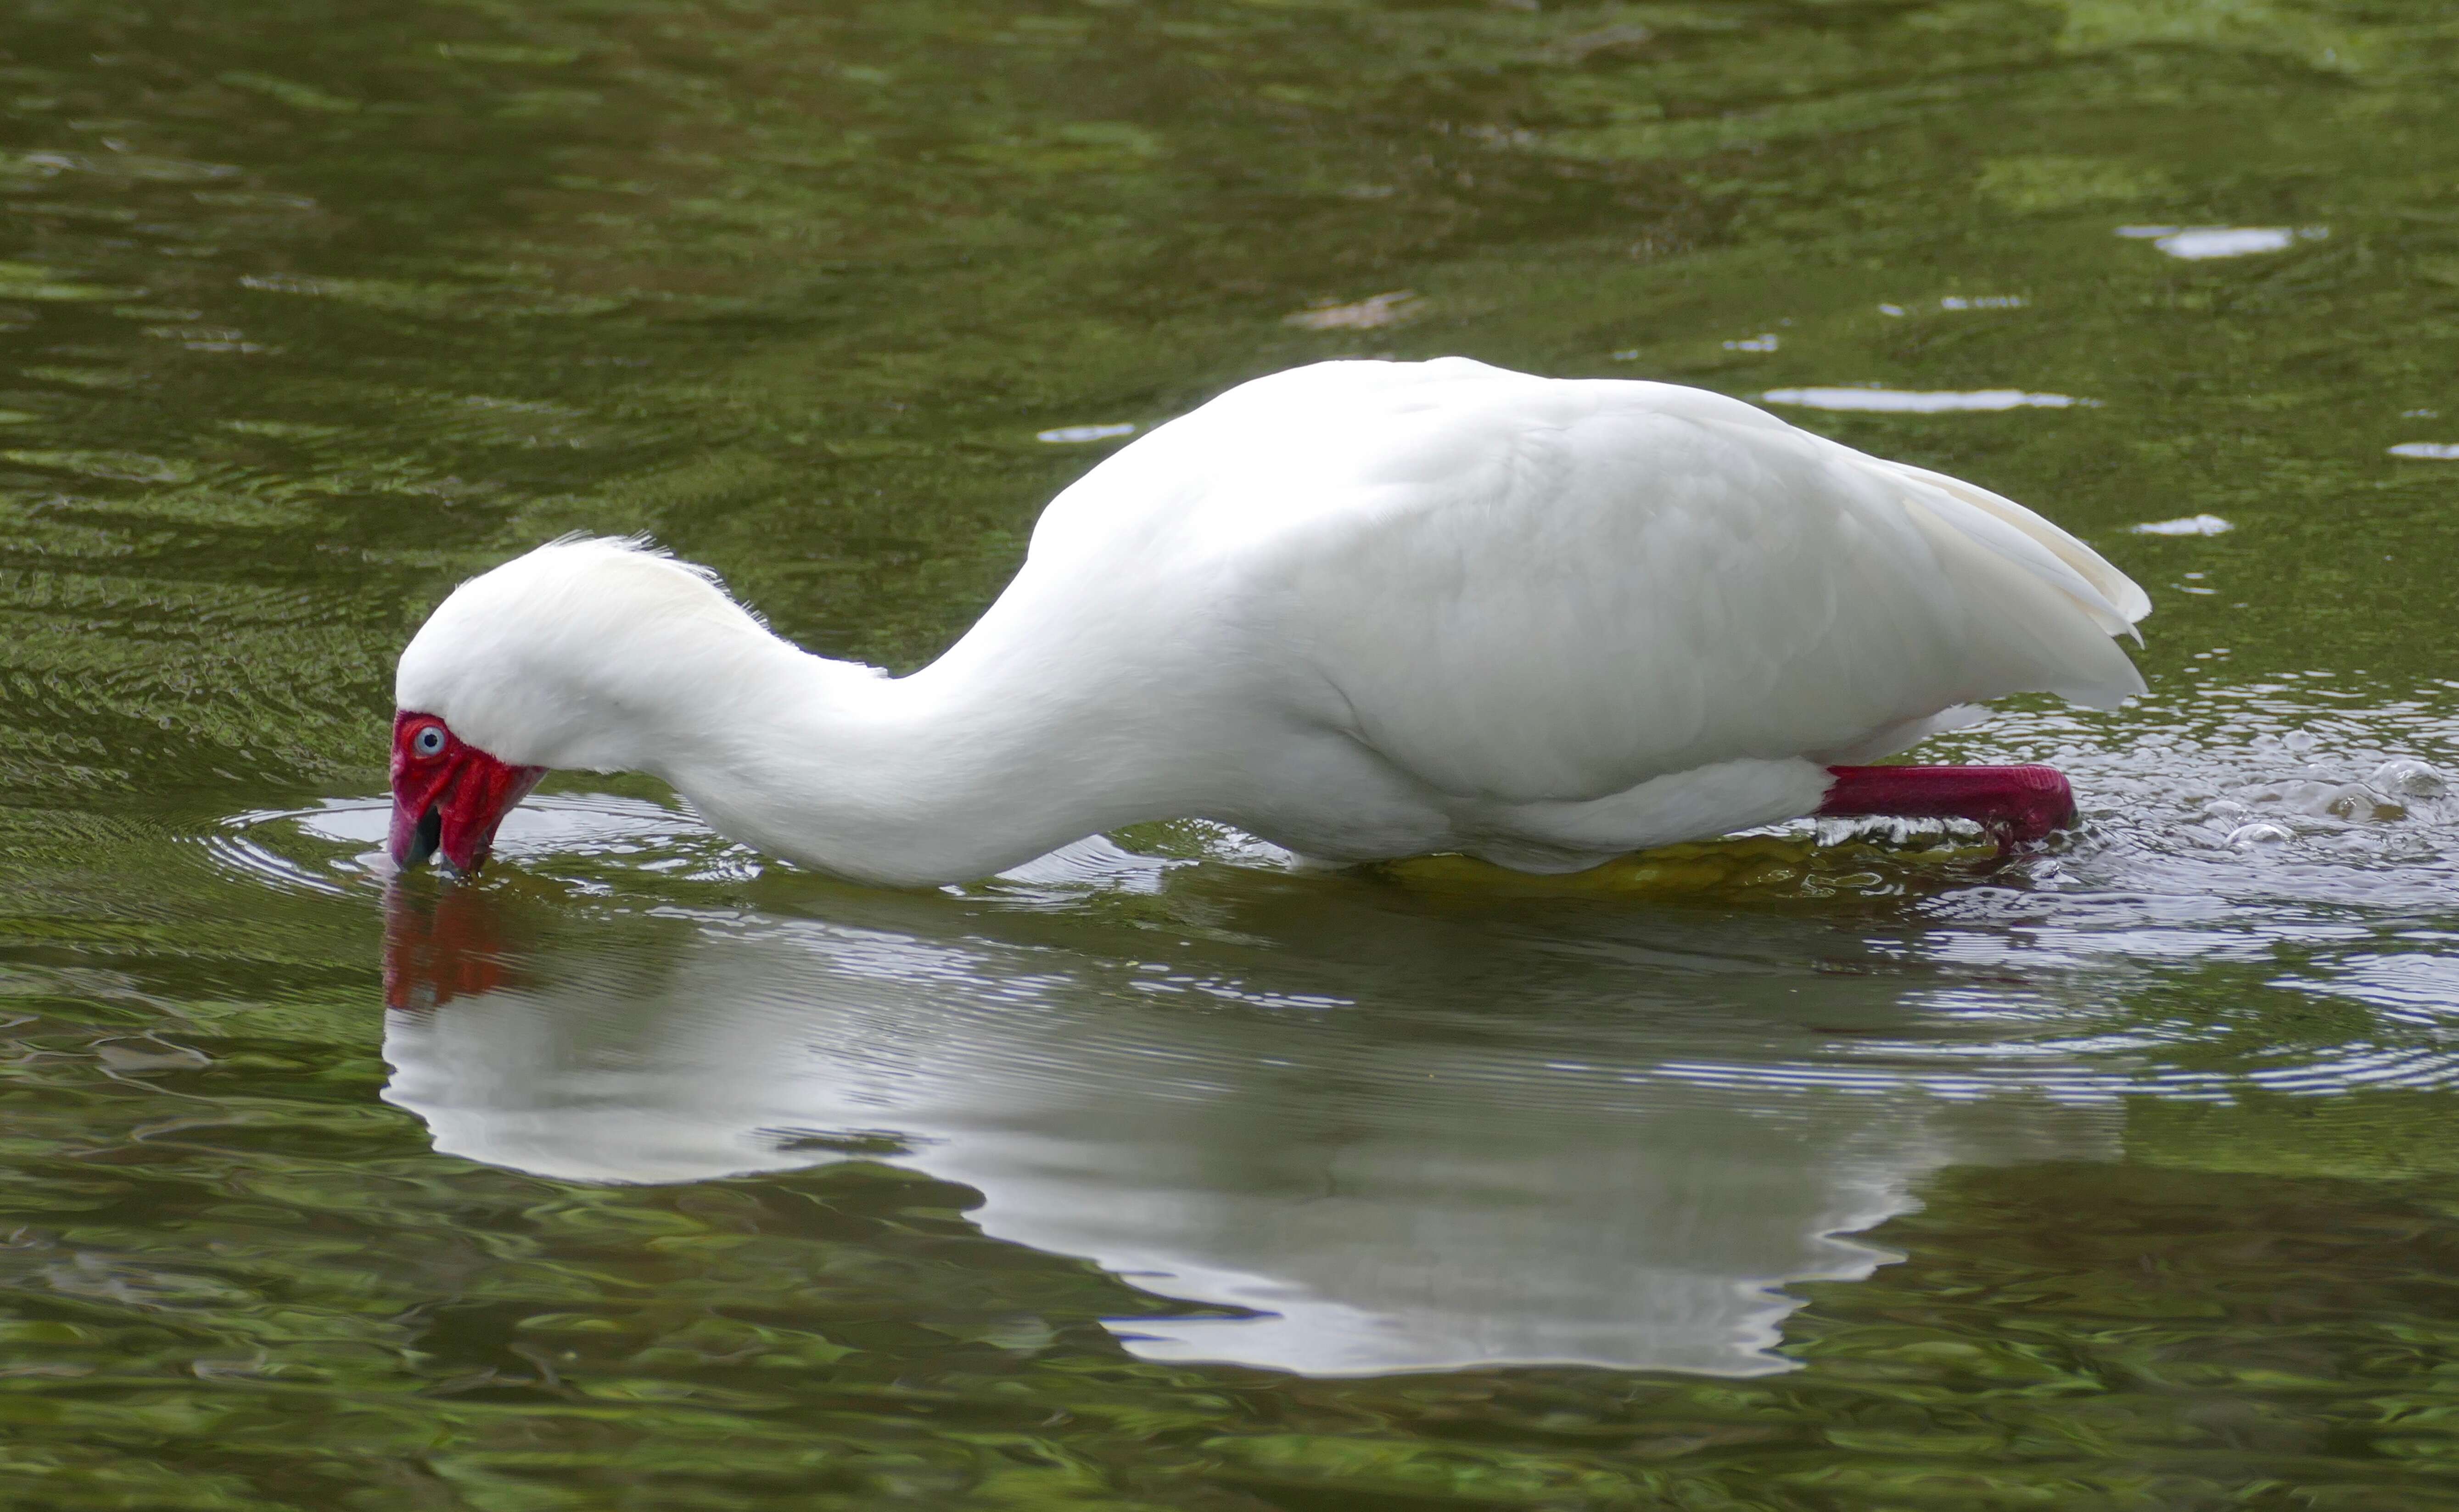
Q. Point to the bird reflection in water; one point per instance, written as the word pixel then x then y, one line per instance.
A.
pixel 1529 1149
pixel 446 944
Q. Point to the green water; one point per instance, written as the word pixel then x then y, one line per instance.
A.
pixel 1858 1174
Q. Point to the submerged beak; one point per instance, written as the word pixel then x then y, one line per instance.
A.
pixel 450 801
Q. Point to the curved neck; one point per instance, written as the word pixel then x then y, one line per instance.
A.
pixel 961 771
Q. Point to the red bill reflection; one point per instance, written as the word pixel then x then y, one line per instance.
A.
pixel 441 943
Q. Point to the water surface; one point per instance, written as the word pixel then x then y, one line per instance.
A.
pixel 1819 1170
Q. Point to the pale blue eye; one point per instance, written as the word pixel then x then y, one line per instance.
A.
pixel 429 742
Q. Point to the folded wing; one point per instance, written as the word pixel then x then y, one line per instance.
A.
pixel 1521 588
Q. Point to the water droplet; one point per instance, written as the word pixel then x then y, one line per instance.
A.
pixel 1915 402
pixel 2187 525
pixel 2195 244
pixel 1069 435
pixel 2408 776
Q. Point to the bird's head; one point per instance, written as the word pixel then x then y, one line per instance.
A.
pixel 568 657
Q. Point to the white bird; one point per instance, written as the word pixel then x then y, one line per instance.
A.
pixel 1362 609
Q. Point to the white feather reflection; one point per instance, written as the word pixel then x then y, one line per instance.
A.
pixel 1462 1181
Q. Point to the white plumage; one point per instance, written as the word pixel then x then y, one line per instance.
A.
pixel 1362 609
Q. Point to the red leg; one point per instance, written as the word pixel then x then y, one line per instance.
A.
pixel 2020 803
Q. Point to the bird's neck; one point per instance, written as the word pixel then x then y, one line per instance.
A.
pixel 962 770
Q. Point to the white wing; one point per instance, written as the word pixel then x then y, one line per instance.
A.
pixel 1521 588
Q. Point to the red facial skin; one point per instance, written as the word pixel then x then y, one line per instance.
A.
pixel 2018 804
pixel 469 790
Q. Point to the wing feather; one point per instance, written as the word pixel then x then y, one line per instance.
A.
pixel 1524 589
